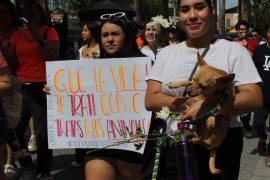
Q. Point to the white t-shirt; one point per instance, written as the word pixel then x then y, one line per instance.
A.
pixel 81 57
pixel 93 50
pixel 176 62
pixel 148 52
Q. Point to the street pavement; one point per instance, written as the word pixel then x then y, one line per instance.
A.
pixel 252 165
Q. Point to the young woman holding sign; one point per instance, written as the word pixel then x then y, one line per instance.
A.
pixel 117 40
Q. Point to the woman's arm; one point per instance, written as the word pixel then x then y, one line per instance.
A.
pixel 247 99
pixel 155 99
pixel 5 82
pixel 9 52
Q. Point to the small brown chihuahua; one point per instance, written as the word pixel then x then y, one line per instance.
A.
pixel 214 88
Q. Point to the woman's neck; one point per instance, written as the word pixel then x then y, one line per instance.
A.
pixel 201 42
pixel 92 44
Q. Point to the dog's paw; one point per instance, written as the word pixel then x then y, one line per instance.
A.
pixel 195 140
pixel 173 85
pixel 210 123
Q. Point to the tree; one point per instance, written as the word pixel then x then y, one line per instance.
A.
pixel 260 14
pixel 137 9
pixel 222 16
pixel 165 8
pixel 244 10
pixel 214 5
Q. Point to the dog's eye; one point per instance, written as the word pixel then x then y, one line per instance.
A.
pixel 201 85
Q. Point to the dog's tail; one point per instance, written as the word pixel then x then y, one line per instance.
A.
pixel 212 162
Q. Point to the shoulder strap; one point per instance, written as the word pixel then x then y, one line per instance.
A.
pixel 196 65
pixel 195 68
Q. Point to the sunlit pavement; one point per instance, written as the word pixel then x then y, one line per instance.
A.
pixel 252 165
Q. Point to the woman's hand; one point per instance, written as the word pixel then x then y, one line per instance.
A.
pixel 46 89
pixel 194 106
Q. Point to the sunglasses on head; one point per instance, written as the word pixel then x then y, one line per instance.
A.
pixel 117 15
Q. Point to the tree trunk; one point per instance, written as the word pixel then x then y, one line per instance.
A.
pixel 244 9
pixel 214 5
pixel 222 16
pixel 165 8
pixel 137 8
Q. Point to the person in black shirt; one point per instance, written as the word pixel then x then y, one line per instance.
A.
pixel 261 59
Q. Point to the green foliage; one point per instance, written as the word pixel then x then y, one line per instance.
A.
pixel 150 8
pixel 260 14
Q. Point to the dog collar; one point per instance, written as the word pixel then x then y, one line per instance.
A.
pixel 201 119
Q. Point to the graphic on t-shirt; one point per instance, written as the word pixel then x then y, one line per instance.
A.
pixel 266 63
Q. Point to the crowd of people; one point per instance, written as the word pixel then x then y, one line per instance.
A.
pixel 27 42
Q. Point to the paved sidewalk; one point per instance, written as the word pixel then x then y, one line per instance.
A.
pixel 61 167
pixel 252 165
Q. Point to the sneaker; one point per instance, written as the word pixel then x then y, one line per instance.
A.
pixel 261 147
pixel 11 172
pixel 9 169
pixel 75 164
pixel 45 177
pixel 32 144
pixel 267 161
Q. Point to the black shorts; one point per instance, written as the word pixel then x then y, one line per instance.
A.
pixel 3 131
pixel 126 156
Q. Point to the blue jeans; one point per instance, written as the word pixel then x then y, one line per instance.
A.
pixel 259 122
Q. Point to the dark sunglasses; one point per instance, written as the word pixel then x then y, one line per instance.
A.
pixel 254 35
pixel 118 15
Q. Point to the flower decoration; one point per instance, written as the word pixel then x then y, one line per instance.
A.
pixel 161 20
pixel 173 20
pixel 164 113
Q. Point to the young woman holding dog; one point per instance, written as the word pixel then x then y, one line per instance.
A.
pixel 176 63
pixel 117 40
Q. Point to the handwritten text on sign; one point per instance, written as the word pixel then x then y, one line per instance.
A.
pixel 93 103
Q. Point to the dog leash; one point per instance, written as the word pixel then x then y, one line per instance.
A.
pixel 195 68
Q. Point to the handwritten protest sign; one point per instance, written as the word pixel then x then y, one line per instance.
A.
pixel 92 104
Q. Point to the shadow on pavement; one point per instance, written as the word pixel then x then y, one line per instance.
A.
pixel 61 169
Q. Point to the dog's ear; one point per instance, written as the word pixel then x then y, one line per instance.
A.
pixel 201 61
pixel 228 79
